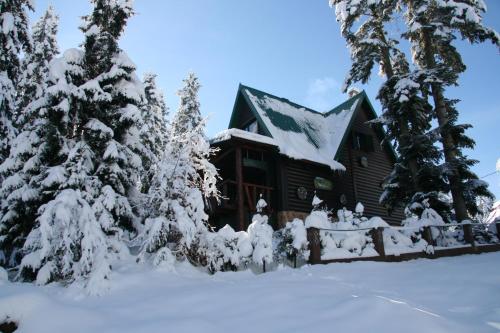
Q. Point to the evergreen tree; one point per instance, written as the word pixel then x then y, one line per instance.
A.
pixel 185 178
pixel 405 112
pixel 35 65
pixel 110 115
pixel 188 116
pixel 432 29
pixel 154 129
pixel 93 110
pixel 14 39
pixel 20 193
pixel 37 165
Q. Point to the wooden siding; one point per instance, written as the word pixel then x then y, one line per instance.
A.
pixel 358 183
pixel 367 180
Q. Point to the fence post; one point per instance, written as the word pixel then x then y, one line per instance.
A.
pixel 378 240
pixel 427 235
pixel 468 235
pixel 314 245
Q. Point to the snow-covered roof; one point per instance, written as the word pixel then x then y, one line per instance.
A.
pixel 238 133
pixel 298 132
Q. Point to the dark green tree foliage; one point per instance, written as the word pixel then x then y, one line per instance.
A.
pixel 14 39
pixel 35 65
pixel 30 153
pixel 433 27
pixel 110 112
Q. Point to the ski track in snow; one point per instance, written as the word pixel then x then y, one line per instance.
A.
pixel 460 294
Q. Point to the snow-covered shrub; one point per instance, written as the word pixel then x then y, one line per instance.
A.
pixel 67 244
pixel 292 241
pixel 261 238
pixel 227 249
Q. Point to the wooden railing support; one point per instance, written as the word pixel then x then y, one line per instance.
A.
pixel 427 235
pixel 468 235
pixel 378 240
pixel 314 245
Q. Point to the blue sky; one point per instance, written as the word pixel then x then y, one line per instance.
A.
pixel 291 48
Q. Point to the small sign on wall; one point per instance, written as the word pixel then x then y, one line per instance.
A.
pixel 323 184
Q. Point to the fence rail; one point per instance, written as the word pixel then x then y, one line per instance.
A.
pixel 377 235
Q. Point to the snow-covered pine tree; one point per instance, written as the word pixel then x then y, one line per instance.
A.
pixel 35 65
pixel 14 39
pixel 188 116
pixel 405 113
pixel 432 29
pixel 154 129
pixel 184 180
pixel 110 115
pixel 20 194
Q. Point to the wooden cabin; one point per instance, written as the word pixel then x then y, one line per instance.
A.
pixel 287 153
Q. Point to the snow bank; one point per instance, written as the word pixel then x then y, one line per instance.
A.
pixel 445 295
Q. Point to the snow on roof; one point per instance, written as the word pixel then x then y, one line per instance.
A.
pixel 302 133
pixel 494 215
pixel 238 133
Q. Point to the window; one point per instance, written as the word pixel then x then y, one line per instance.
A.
pixel 363 142
pixel 252 127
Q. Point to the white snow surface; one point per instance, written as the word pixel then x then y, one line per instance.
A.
pixel 443 295
pixel 328 130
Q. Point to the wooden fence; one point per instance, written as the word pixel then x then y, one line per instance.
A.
pixel 471 247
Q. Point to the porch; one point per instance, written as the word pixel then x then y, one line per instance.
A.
pixel 248 171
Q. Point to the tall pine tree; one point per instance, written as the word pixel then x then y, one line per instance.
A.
pixel 154 130
pixel 20 194
pixel 405 111
pixel 432 29
pixel 185 179
pixel 110 113
pixel 14 39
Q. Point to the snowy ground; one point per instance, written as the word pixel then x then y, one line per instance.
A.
pixel 460 294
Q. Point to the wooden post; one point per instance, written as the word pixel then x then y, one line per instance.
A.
pixel 263 266
pixel 239 189
pixel 468 235
pixel 427 235
pixel 314 245
pixel 378 240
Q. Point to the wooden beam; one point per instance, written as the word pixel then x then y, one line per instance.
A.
pixel 239 189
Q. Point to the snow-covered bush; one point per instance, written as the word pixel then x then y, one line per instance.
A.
pixel 292 241
pixel 227 250
pixel 261 238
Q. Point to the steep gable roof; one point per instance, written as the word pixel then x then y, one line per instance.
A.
pixel 300 132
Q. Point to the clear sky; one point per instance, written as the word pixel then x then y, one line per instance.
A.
pixel 290 48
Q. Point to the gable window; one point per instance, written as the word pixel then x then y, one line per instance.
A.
pixel 363 142
pixel 253 127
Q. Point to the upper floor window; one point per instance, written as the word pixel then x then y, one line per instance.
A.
pixel 363 142
pixel 252 127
